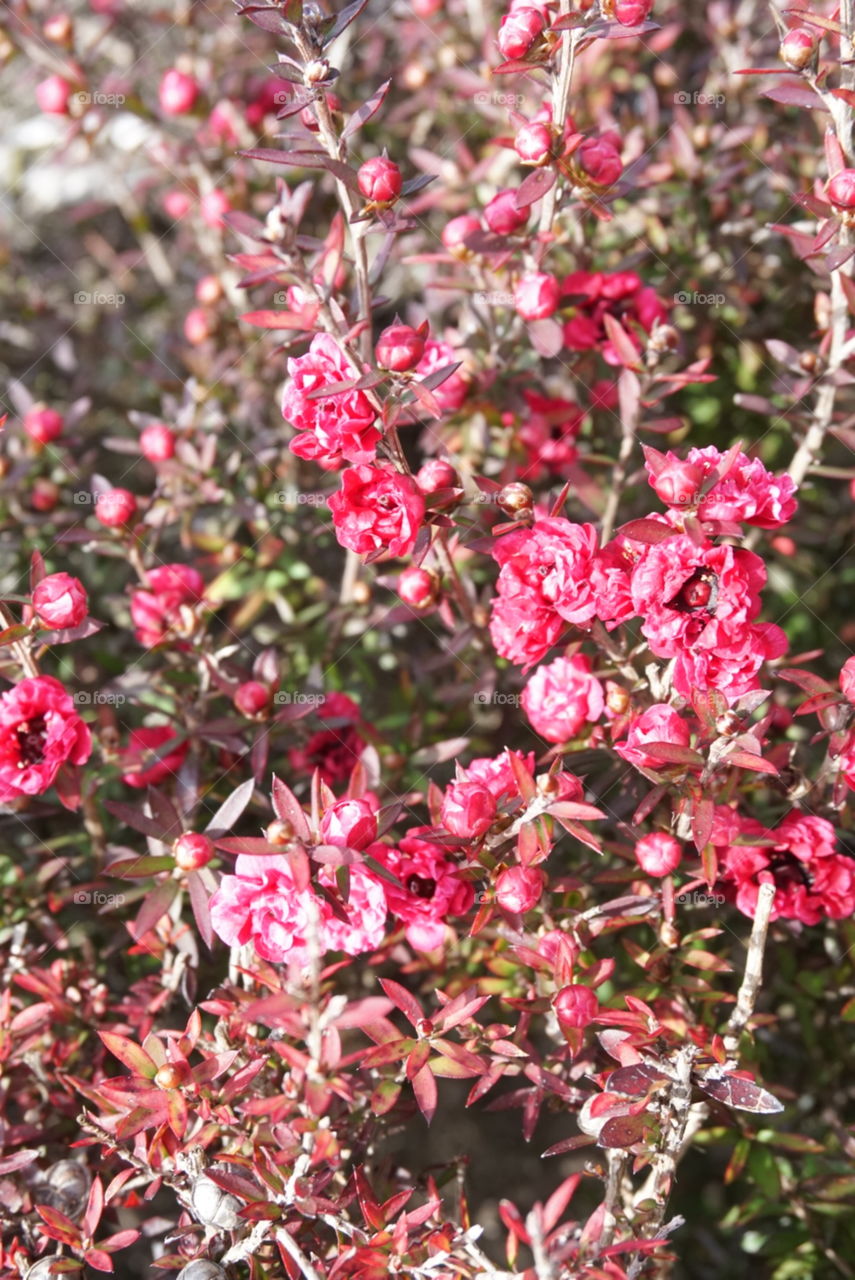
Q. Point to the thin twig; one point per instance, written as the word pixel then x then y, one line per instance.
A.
pixel 744 1008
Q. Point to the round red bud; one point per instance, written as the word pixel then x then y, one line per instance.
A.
pixel 209 290
pixel 349 824
pixel 576 1006
pixel 199 324
pixel 115 507
pixel 518 889
pixel 44 494
pixel 518 32
pixel 455 232
pixel 168 1076
pixel 468 809
pixel 658 854
pixel 53 94
pixel 841 190
pixel 60 601
pixel 437 474
pixel 798 48
pixel 192 851
pixel 847 680
pixel 536 295
pixel 252 698
pixel 177 93
pixel 502 215
pixel 157 442
pixel 678 484
pixel 379 180
pixel 43 424
pixel 418 587
pixel 533 144
pixel 400 347
pixel 515 498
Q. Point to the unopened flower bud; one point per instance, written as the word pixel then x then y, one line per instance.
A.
pixel 518 889
pixel 678 484
pixel 575 1006
pixel 502 215
pixel 192 851
pixel 515 498
pixel 536 295
pixel 400 347
pixel 799 48
pixel 157 442
pixel 841 190
pixel 380 180
pixel 437 474
pixel 455 232
pixel 252 698
pixel 518 32
pixel 658 854
pixel 533 144
pixel 418 587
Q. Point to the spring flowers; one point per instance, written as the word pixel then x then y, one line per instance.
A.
pixel 164 608
pixel 39 731
pixel 377 512
pixel 332 429
pixel 261 904
pixel 560 697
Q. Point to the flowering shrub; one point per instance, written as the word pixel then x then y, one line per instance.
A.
pixel 426 721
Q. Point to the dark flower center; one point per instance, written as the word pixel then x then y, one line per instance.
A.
pixel 32 735
pixel 698 592
pixel 789 870
pixel 421 886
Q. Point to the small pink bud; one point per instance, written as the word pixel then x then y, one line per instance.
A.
pixel 213 206
pixel 52 95
pixel 518 32
pixel 418 587
pixel 798 48
pixel 115 507
pixel 157 442
pixel 533 144
pixel 209 290
pixel 658 854
pixel 847 680
pixel 599 159
pixel 177 204
pixel 44 494
pixel 631 13
pixel 42 424
pixel 502 215
pixel 58 28
pixel 678 484
pixel 60 601
pixel 349 824
pixel 379 180
pixel 192 851
pixel 456 231
pixel 576 1006
pixel 178 93
pixel 537 295
pixel 400 347
pixel 468 809
pixel 252 698
pixel 199 324
pixel 841 190
pixel 437 474
pixel 518 889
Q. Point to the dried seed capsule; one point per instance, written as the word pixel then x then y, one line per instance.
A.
pixel 212 1206
pixel 201 1269
pixel 67 1186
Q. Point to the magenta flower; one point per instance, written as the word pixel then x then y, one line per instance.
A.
pixel 39 731
pixel 332 429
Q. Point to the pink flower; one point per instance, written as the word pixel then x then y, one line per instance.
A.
pixel 349 824
pixel 261 904
pixel 468 809
pixel 39 731
pixel 451 393
pixel 518 889
pixel 560 697
pixel 60 601
pixel 333 750
pixel 658 854
pixel 544 583
pixel 496 772
pixel 163 609
pixel 431 889
pixel 377 512
pixel 748 493
pixel 847 680
pixel 52 95
pixel 659 723
pixel 536 295
pixel 144 760
pixel 812 881
pixel 620 295
pixel 178 92
pixel 336 428
pixel 549 434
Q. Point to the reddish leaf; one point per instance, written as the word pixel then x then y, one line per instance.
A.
pixel 131 1055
